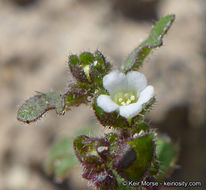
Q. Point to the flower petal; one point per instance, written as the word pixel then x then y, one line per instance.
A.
pixel 146 95
pixel 106 103
pixel 115 81
pixel 130 110
pixel 136 81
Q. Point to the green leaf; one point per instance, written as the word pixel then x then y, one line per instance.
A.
pixel 61 159
pixel 37 105
pixel 136 58
pixel 166 154
pixel 143 152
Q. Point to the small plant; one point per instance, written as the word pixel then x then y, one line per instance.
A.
pixel 133 152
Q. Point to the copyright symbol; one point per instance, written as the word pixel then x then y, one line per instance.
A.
pixel 124 183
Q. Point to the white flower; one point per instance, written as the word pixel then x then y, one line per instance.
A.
pixel 127 93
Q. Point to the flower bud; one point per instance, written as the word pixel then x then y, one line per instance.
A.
pixel 89 68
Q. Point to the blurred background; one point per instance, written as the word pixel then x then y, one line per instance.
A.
pixel 36 37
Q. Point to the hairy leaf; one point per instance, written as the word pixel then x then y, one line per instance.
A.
pixel 37 105
pixel 154 40
pixel 133 163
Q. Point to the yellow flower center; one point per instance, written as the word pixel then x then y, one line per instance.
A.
pixel 125 98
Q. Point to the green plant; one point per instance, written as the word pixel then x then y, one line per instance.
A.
pixel 120 99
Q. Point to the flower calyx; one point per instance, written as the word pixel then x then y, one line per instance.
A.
pixel 94 155
pixel 89 68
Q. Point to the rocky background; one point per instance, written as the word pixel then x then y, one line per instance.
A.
pixel 36 37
